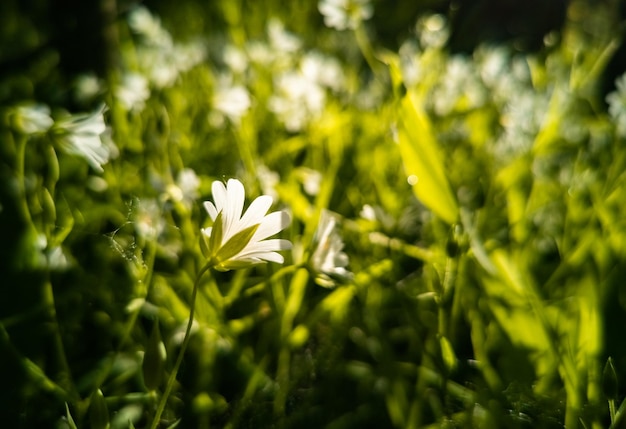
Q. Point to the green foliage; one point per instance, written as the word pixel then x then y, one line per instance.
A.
pixel 470 275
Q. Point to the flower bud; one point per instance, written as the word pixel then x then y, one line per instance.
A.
pixel 98 411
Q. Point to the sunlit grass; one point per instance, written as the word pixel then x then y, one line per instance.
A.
pixel 454 256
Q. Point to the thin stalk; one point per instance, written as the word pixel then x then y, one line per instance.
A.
pixel 181 353
pixel 68 384
pixel 612 410
pixel 367 50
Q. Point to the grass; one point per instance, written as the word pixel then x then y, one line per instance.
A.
pixel 476 254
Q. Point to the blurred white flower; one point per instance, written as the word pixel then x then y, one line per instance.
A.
pixel 409 62
pixel 149 27
pixel 460 89
pixel 32 119
pixel 259 52
pixel 617 105
pixel 345 14
pixel 133 91
pixel 268 180
pixel 368 213
pixel 159 58
pixel 185 190
pixel 297 99
pixel 148 218
pixel 232 101
pixel 328 260
pixel 280 39
pixel 81 135
pixel 433 31
pixel 87 87
pixel 311 180
pixel 324 70
pixel 235 59
pixel 236 241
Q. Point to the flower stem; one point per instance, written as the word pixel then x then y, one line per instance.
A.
pixel 181 353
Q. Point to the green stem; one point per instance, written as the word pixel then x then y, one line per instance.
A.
pixel 21 179
pixel 181 353
pixel 612 410
pixel 367 50
pixel 67 383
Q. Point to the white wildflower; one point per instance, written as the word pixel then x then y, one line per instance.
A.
pixel 82 135
pixel 32 119
pixel 236 240
pixel 297 100
pixel 328 259
pixel 617 105
pixel 232 101
pixel 433 31
pixel 87 87
pixel 280 39
pixel 268 180
pixel 185 190
pixel 345 14
pixel 133 91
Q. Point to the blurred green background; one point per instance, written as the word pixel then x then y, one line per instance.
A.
pixel 472 154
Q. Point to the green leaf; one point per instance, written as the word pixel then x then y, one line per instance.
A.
pixel 236 243
pixel 423 160
pixel 70 420
pixel 447 354
pixel 175 424
pixel 609 380
pixel 216 234
pixel 98 412
pixel 154 360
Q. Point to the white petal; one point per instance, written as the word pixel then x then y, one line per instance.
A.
pixel 256 212
pixel 265 256
pixel 211 209
pixel 272 224
pixel 219 195
pixel 264 246
pixel 235 196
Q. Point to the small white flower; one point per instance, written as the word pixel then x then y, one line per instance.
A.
pixel 149 26
pixel 133 91
pixel 311 180
pixel 148 219
pixel 280 39
pixel 87 87
pixel 328 259
pixel 345 14
pixel 185 190
pixel 81 135
pixel 237 241
pixel 297 100
pixel 268 180
pixel 617 105
pixel 32 119
pixel 232 101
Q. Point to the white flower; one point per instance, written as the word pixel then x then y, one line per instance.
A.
pixel 617 105
pixel 32 119
pixel 237 241
pixel 232 101
pixel 328 260
pixel 87 87
pixel 133 91
pixel 280 39
pixel 345 14
pixel 296 100
pixel 81 135
pixel 268 180
pixel 185 190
